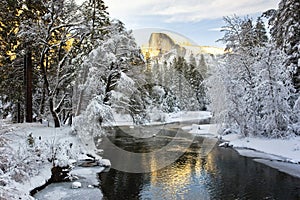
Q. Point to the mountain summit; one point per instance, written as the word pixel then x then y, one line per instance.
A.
pixel 157 42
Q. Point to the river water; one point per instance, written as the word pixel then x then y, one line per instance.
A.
pixel 221 174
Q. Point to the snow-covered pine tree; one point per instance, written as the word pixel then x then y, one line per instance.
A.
pixel 95 26
pixel 117 54
pixel 260 32
pixel 273 90
pixel 95 23
pixel 285 30
pixel 254 83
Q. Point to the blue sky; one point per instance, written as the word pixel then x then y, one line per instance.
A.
pixel 199 20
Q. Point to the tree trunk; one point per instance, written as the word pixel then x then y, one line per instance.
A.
pixel 43 100
pixel 19 120
pixel 78 109
pixel 296 79
pixel 28 87
pixel 81 93
pixel 54 114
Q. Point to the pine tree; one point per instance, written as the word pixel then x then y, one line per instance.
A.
pixel 203 68
pixel 286 34
pixel 13 51
pixel 96 21
pixel 260 32
pixel 246 34
pixel 255 86
pixel 54 33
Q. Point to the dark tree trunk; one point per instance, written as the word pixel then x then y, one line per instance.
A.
pixel 43 101
pixel 296 80
pixel 28 87
pixel 19 118
pixel 107 89
pixel 54 114
pixel 111 80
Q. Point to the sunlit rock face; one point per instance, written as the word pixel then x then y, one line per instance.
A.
pixel 158 43
pixel 164 46
pixel 161 43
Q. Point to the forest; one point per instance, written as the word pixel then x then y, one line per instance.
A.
pixel 62 62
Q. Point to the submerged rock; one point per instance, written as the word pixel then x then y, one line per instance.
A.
pixel 59 174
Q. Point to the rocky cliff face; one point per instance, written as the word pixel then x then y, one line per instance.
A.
pixel 162 44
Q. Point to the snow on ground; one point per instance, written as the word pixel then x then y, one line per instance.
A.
pixel 188 116
pixel 88 186
pixel 28 168
pixel 26 151
pixel 205 130
pixel 158 118
pixel 287 149
pixel 27 148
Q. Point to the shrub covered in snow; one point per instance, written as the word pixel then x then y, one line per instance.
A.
pixel 251 88
pixel 88 124
pixel 24 155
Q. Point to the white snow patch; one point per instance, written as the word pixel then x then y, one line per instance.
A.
pixel 157 118
pixel 28 148
pixel 289 149
pixel 105 163
pixel 76 185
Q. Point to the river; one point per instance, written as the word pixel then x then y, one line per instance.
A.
pixel 164 162
pixel 222 174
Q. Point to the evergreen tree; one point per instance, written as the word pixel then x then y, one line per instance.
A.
pixel 246 34
pixel 13 49
pixel 286 34
pixel 117 54
pixel 260 32
pixel 96 21
pixel 255 86
pixel 203 68
pixel 54 32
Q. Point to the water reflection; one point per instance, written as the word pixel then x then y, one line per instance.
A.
pixel 175 181
pixel 222 174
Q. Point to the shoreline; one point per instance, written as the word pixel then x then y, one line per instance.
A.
pixel 27 147
pixel 280 154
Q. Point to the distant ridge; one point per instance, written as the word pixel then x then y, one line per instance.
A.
pixel 142 35
pixel 155 42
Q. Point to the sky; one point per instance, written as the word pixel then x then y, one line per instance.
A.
pixel 199 20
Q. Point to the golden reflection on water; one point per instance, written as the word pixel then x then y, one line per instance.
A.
pixel 178 177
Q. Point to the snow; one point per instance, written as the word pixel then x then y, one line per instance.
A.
pixel 105 163
pixel 85 187
pixel 282 154
pixel 76 185
pixel 284 149
pixel 209 130
pixel 158 118
pixel 25 159
pixel 63 191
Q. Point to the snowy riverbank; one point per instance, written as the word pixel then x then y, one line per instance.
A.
pixel 27 148
pixel 28 152
pixel 281 154
pixel 183 117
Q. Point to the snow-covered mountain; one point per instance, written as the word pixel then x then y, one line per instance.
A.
pixel 157 42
